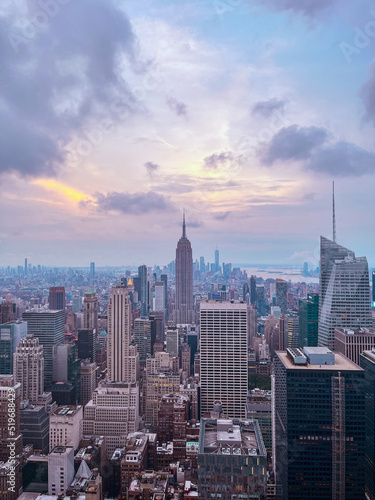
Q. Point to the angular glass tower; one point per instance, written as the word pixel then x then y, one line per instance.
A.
pixel 344 296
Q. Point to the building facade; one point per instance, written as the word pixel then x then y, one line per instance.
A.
pixel 184 307
pixel 308 320
pixel 29 368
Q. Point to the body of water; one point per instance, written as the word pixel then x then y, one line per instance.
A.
pixel 294 275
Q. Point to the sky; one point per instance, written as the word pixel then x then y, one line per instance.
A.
pixel 116 116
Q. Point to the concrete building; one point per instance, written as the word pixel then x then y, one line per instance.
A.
pixel 10 401
pixel 160 291
pixel 28 363
pixel 48 327
pixel 159 384
pixel 34 426
pixel 121 368
pixel 232 460
pixel 11 334
pixel 88 380
pixel 149 485
pixel 10 480
pixel 56 298
pixel 319 409
pixel 352 342
pixel 172 341
pixel 367 362
pixel 60 469
pixel 90 311
pixel 113 412
pixel 134 460
pixel 223 356
pixel 184 306
pixel 258 407
pixel 344 292
pixel 66 427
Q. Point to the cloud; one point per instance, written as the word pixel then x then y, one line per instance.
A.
pixel 267 108
pixel 60 73
pixel 179 108
pixel 292 143
pixel 220 160
pixel 368 95
pixel 342 159
pixel 135 204
pixel 151 167
pixel 307 8
pixel 222 215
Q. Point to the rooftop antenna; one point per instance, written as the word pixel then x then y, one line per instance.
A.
pixel 333 212
pixel 183 224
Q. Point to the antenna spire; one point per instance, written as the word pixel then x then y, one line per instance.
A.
pixel 183 225
pixel 333 212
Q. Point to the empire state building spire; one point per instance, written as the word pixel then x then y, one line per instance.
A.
pixel 183 226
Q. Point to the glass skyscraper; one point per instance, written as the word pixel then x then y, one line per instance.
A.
pixel 308 320
pixel 344 298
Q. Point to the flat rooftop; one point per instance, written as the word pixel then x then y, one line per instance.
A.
pixel 369 355
pixel 341 363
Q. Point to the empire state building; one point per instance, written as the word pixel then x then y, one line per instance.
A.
pixel 184 310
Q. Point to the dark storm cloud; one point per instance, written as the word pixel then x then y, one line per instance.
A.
pixel 307 8
pixel 223 159
pixel 267 108
pixel 293 143
pixel 342 159
pixel 151 167
pixel 58 75
pixel 135 204
pixel 177 107
pixel 368 95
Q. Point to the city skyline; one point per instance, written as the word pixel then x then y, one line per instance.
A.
pixel 218 108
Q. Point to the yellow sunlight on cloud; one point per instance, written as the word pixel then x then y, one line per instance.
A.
pixel 57 187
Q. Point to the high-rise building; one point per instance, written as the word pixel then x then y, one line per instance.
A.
pixel 7 312
pixel 232 460
pixel 351 343
pixel 202 265
pixel 217 263
pixel 142 338
pixel 164 279
pixel 87 344
pixel 113 412
pixel 34 426
pixel 344 296
pixel 11 335
pixel 65 426
pixel 373 288
pixel 29 369
pixel 253 291
pixel 60 469
pixel 92 269
pixel 308 320
pixel 281 295
pixel 260 300
pixel 172 341
pixel 122 359
pixel 56 299
pixel 184 308
pixel 48 327
pixel 10 401
pixel 88 380
pixel 367 362
pixel 320 423
pixel 160 290
pixel 90 311
pixel 159 384
pixel 223 356
pixel 292 331
pixel 259 408
pixel 26 268
pixel 143 297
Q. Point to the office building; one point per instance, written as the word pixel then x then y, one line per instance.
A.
pixel 143 295
pixel 10 401
pixel 344 291
pixel 123 360
pixel 260 300
pixel 258 407
pixel 172 341
pixel 292 330
pixel 134 460
pixel 217 263
pixel 253 295
pixel 319 409
pixel 159 384
pixel 113 412
pixel 367 362
pixel 66 374
pixel 351 343
pixel 7 312
pixel 92 269
pixel 160 291
pixel 308 320
pixel 88 380
pixel 86 343
pixel 10 480
pixel 11 334
pixel 29 369
pixel 184 307
pixel 281 295
pixel 223 356
pixel 232 460
pixel 56 299
pixel 164 279
pixel 65 426
pixel 142 338
pixel 90 311
pixel 34 426
pixel 48 327
pixel 60 469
